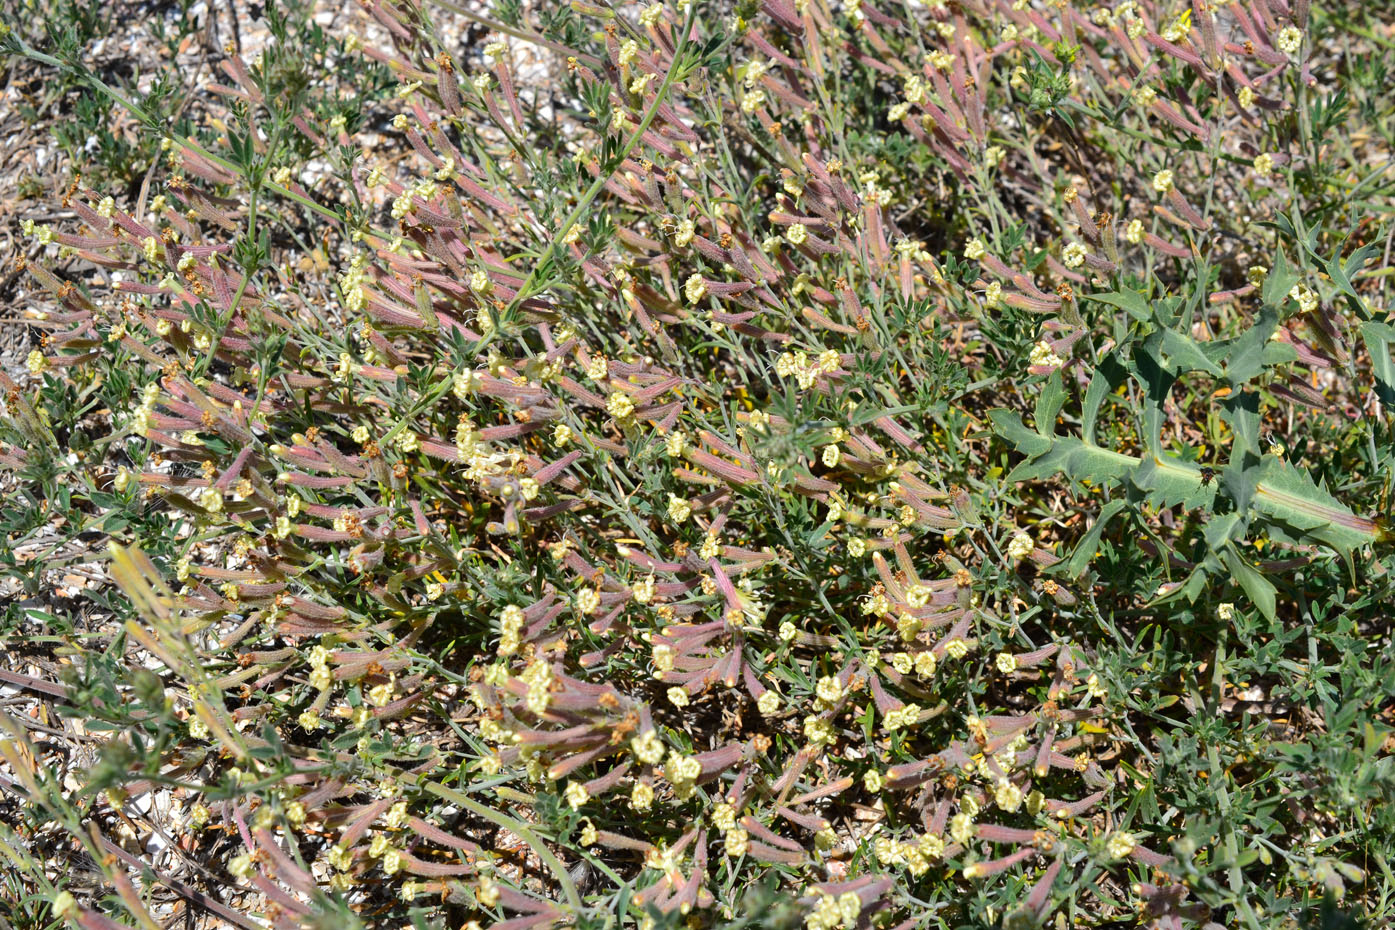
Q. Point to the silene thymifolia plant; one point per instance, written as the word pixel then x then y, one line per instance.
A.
pixel 599 492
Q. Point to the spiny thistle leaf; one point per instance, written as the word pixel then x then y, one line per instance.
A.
pixel 1289 504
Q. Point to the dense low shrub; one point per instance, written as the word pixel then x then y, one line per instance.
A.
pixel 914 465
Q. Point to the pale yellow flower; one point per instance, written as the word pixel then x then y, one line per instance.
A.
pixel 620 405
pixel 679 509
pixel 1120 844
pixel 576 795
pixel 1020 546
pixel 695 288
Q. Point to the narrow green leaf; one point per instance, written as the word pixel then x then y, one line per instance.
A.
pixel 1158 381
pixel 1341 272
pixel 1255 585
pixel 1084 551
pixel 1379 337
pixel 1279 281
pixel 867 416
pixel 1106 380
pixel 1049 403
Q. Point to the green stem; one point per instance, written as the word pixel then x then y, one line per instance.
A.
pixel 531 37
pixel 139 113
pixel 517 827
pixel 527 289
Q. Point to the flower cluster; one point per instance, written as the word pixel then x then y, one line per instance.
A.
pixel 527 503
